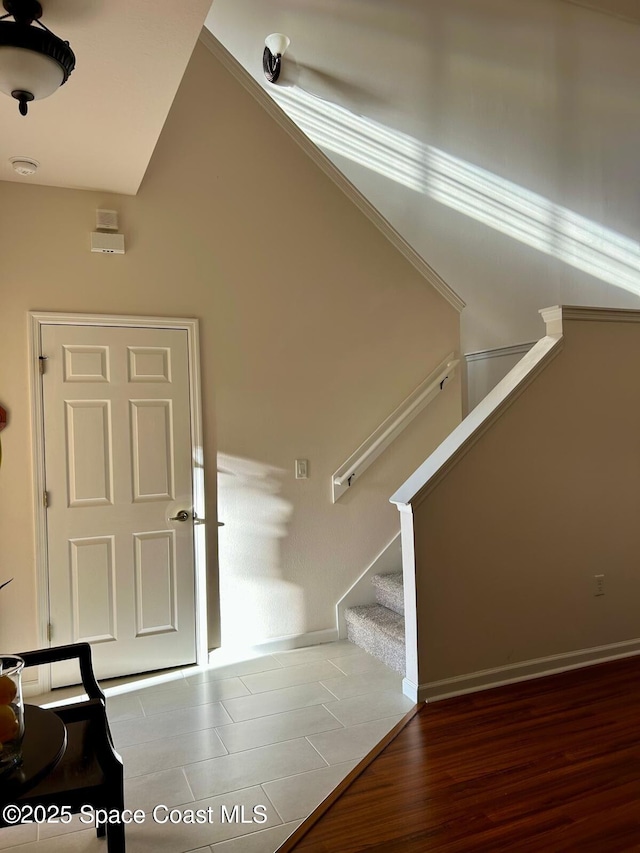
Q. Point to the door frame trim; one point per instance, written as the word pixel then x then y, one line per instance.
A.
pixel 37 319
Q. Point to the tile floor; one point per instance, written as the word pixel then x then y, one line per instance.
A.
pixel 271 736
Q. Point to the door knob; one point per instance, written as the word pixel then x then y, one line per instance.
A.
pixel 183 515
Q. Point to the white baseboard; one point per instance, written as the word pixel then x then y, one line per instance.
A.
pixel 524 671
pixel 411 690
pixel 276 644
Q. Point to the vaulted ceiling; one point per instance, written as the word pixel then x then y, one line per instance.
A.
pixel 99 130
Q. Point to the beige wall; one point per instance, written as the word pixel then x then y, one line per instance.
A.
pixel 313 329
pixel 508 543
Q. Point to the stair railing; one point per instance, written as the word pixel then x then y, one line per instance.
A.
pixel 391 428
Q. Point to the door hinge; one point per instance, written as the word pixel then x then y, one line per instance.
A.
pixel 45 498
pixel 49 631
pixel 42 359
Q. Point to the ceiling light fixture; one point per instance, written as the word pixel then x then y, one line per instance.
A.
pixel 33 61
pixel 274 48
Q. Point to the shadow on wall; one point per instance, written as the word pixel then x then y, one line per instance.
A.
pixel 256 604
pixel 511 209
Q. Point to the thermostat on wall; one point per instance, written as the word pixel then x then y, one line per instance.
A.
pixel 110 244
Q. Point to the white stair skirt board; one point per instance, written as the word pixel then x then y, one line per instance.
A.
pixel 389 560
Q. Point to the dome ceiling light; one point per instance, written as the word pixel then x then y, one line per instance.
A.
pixel 33 61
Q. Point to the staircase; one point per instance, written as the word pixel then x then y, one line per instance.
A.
pixel 379 628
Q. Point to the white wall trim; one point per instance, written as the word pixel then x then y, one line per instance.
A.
pixel 275 644
pixel 32 687
pixel 499 352
pixel 585 312
pixel 328 167
pixel 601 315
pixel 458 443
pixel 39 511
pixel 410 592
pixel 411 690
pixel 552 318
pixel 362 590
pixel 36 320
pixel 525 670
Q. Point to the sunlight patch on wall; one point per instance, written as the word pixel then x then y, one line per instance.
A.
pixel 254 597
pixel 496 202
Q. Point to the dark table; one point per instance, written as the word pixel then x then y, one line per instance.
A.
pixel 44 743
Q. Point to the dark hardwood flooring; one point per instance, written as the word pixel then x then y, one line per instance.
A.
pixel 551 765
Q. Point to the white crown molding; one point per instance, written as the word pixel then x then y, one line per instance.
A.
pixel 328 167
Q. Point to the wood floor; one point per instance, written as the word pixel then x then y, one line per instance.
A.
pixel 544 766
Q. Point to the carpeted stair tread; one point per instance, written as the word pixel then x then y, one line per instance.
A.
pixel 379 631
pixel 390 591
pixel 387 621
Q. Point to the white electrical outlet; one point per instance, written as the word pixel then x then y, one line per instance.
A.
pixel 302 469
pixel 598 584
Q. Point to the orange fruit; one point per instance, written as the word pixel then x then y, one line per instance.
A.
pixel 8 690
pixel 9 726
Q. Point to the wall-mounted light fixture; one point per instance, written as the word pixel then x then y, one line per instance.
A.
pixel 274 48
pixel 33 61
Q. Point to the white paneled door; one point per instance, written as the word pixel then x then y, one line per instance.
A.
pixel 118 469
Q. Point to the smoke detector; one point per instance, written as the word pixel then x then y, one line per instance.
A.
pixel 24 165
